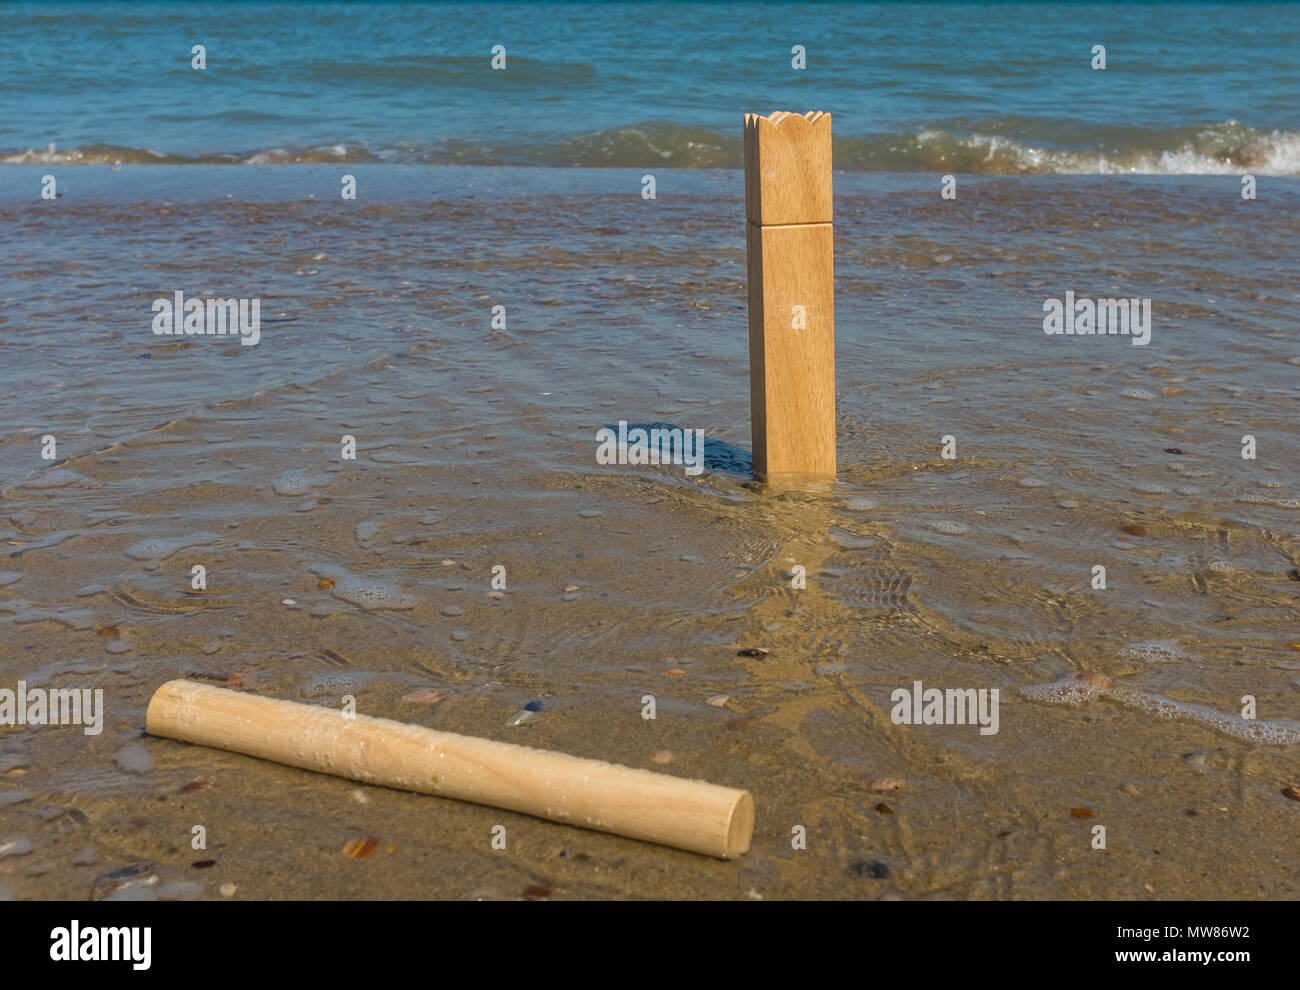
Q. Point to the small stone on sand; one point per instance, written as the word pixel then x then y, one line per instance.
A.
pixel 874 869
pixel 361 848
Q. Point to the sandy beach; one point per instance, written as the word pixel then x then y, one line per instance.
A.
pixel 394 494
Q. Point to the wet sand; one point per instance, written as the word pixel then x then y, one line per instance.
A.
pixel 475 447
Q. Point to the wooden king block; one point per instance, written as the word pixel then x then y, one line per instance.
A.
pixel 790 260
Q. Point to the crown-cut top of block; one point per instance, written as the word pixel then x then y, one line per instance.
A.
pixel 788 167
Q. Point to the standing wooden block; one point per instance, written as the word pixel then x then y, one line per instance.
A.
pixel 790 257
pixel 788 168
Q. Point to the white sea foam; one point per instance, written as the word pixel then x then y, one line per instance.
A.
pixel 1078 689
pixel 1275 732
pixel 1153 651
pixel 365 592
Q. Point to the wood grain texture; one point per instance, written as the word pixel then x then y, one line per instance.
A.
pixel 788 168
pixel 792 370
pixel 686 814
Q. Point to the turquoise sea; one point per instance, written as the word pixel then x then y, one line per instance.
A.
pixel 979 87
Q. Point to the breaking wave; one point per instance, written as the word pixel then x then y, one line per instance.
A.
pixel 1219 149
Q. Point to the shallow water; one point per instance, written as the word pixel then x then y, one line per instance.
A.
pixel 475 447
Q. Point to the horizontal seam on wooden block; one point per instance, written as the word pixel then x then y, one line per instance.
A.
pixel 779 226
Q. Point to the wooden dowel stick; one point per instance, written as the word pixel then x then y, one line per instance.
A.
pixel 789 255
pixel 686 814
